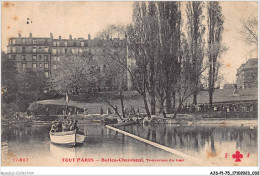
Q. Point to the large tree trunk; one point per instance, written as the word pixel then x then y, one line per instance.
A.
pixel 146 107
pixel 168 102
pixel 173 100
pixel 195 98
pixel 153 103
pixel 210 97
pixel 122 103
pixel 161 106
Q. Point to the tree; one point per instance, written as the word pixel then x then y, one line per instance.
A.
pixel 32 81
pixel 195 30
pixel 31 86
pixel 76 72
pixel 169 21
pixel 154 38
pixel 9 79
pixel 114 62
pixel 249 31
pixel 215 47
pixel 140 42
pixel 144 43
pixel 112 31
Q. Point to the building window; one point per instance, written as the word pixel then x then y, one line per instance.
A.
pixel 46 49
pixel 40 57
pixel 73 50
pixel 58 59
pixel 23 41
pixel 23 57
pixel 58 43
pixel 34 49
pixel 74 43
pixel 13 57
pixel 46 57
pixel 34 41
pixel 66 50
pixel 54 51
pixel 65 43
pixel 34 65
pixel 13 41
pixel 54 44
pixel 13 49
pixel 46 65
pixel 24 65
pixel 23 49
pixel 40 65
pixel 34 57
pixel 54 67
pixel 82 44
pixel 80 50
pixel 54 58
pixel 46 74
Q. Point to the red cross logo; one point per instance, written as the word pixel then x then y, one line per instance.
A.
pixel 237 156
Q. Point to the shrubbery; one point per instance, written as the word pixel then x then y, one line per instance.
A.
pixel 37 109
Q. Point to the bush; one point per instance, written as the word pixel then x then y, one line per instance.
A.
pixel 37 109
pixel 9 110
pixel 24 100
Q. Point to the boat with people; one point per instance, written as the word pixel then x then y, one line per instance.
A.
pixel 66 134
pixel 70 138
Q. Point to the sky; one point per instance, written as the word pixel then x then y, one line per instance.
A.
pixel 82 18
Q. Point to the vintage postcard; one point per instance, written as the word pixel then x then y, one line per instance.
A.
pixel 129 83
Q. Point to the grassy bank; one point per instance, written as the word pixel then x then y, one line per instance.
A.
pixel 93 103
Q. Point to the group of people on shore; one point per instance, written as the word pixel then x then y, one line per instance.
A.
pixel 223 107
pixel 70 125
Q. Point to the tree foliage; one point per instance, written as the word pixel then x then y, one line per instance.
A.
pixel 195 39
pixel 215 47
pixel 9 79
pixel 76 72
pixel 249 31
pixel 31 81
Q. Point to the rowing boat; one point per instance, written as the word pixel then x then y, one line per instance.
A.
pixel 69 138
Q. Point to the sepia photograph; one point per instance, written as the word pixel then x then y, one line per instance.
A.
pixel 129 83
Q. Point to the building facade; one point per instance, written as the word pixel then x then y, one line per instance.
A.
pixel 247 74
pixel 45 54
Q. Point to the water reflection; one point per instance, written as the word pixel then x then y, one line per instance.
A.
pixel 200 140
pixel 207 142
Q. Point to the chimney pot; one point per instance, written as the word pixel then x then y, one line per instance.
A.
pixel 89 37
pixel 30 35
pixel 59 37
pixel 70 37
pixel 19 35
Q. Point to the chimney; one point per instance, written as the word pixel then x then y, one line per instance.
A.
pixel 19 35
pixel 30 35
pixel 70 37
pixel 59 37
pixel 51 36
pixel 89 37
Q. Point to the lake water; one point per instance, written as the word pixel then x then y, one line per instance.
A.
pixel 103 147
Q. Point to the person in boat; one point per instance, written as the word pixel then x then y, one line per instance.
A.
pixel 74 125
pixel 66 126
pixel 59 126
pixel 71 124
pixel 54 127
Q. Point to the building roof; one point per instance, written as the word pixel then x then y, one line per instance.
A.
pixel 250 64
